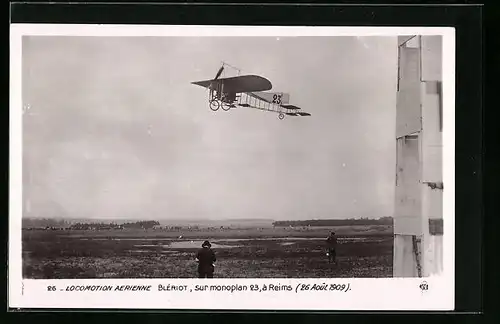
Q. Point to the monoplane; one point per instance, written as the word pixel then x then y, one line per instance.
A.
pixel 249 91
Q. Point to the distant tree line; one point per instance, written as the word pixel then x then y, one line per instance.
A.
pixel 44 222
pixel 141 224
pixel 336 222
pixel 47 223
pixel 110 226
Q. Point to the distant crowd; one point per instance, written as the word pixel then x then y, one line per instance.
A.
pixel 107 227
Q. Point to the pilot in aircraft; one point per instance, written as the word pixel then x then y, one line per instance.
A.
pixel 331 241
pixel 206 259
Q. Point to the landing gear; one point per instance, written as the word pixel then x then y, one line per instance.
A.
pixel 214 105
pixel 223 101
pixel 281 115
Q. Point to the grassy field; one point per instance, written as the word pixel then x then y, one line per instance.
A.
pixel 363 251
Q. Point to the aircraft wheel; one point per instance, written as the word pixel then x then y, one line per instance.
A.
pixel 214 105
pixel 226 107
pixel 281 116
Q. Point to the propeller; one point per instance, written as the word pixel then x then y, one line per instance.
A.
pixel 219 72
pixel 216 77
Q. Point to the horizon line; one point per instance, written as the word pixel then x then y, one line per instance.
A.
pixel 198 219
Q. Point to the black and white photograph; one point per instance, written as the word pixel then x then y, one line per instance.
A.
pixel 275 156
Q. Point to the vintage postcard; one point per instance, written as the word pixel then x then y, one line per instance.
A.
pixel 231 167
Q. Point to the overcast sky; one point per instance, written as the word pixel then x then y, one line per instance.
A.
pixel 116 129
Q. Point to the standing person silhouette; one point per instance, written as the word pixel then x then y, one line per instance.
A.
pixel 331 241
pixel 206 258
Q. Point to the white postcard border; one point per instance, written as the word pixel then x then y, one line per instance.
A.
pixel 363 294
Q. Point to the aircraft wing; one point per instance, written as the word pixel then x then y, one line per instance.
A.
pixel 244 83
